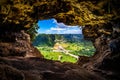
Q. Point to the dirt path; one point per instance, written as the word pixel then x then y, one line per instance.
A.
pixel 66 52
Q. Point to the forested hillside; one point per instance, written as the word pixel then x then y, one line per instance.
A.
pixel 51 39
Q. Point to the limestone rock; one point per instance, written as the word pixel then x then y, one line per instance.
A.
pixel 17 44
pixel 10 73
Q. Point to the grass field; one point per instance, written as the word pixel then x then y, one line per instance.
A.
pixel 84 48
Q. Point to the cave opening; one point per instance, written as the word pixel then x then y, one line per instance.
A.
pixel 61 42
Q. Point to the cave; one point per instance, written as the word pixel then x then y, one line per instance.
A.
pixel 20 60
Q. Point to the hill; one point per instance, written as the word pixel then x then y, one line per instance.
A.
pixel 51 39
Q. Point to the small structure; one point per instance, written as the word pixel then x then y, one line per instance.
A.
pixel 57 46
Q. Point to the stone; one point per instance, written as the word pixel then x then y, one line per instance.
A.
pixel 17 44
pixel 10 73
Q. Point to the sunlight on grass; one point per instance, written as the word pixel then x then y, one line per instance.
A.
pixel 84 48
pixel 49 54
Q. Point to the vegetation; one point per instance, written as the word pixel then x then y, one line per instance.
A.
pixel 33 31
pixel 51 39
pixel 78 47
pixel 49 54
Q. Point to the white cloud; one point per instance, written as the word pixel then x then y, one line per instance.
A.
pixel 61 28
pixel 47 31
pixel 73 31
pixel 54 21
pixel 68 30
pixel 57 29
pixel 61 25
pixel 72 26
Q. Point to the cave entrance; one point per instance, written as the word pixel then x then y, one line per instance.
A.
pixel 57 41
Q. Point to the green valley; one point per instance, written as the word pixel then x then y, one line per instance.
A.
pixel 63 47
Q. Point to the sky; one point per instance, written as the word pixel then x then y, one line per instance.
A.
pixel 51 26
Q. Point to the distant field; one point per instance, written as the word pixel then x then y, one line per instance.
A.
pixel 83 48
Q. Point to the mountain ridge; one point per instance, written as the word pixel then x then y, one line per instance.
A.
pixel 50 39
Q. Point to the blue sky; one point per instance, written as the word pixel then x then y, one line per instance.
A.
pixel 51 26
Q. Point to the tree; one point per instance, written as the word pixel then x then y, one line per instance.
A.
pixel 33 31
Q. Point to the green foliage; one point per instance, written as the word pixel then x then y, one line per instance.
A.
pixel 84 48
pixel 33 31
pixel 74 43
pixel 44 39
pixel 51 39
pixel 49 54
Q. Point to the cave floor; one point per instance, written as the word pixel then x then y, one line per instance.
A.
pixel 34 68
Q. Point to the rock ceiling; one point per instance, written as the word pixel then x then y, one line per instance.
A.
pixel 72 12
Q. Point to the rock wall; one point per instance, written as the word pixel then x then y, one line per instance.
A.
pixel 107 55
pixel 17 44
